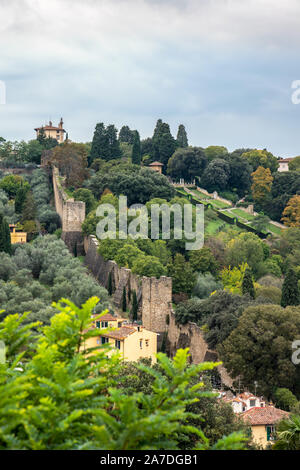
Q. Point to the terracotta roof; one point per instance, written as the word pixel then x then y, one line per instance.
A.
pixel 109 317
pixel 285 160
pixel 156 164
pixel 121 333
pixel 50 128
pixel 247 395
pixel 264 415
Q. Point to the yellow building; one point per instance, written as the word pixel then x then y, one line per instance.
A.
pixel 132 340
pixel 52 131
pixel 263 421
pixel 17 237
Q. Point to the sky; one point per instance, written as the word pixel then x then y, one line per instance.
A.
pixel 223 68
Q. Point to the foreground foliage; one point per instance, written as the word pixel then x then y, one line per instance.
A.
pixel 55 395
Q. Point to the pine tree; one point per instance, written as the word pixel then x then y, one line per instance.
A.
pixel 290 290
pixel 124 301
pixel 182 139
pixel 100 147
pixel 134 308
pixel 5 240
pixel 247 284
pixel 136 149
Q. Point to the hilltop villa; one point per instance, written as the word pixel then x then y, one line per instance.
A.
pixel 52 131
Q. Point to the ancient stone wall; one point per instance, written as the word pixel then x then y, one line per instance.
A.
pixel 154 295
pixel 72 214
pixel 190 336
pixel 156 302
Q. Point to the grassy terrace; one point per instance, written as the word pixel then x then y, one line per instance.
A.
pixel 211 227
pixel 274 229
pixel 214 202
pixel 243 214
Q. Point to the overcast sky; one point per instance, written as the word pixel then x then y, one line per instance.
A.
pixel 223 68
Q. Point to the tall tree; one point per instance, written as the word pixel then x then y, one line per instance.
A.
pixel 124 300
pixel 134 308
pixel 163 142
pixel 182 139
pixel 99 147
pixel 126 135
pixel 257 158
pixel 5 242
pixel 247 284
pixel 187 163
pixel 29 208
pixel 114 150
pixel 136 149
pixel 20 198
pixel 290 289
pixel 291 213
pixel 71 159
pixel 262 184
pixel 216 175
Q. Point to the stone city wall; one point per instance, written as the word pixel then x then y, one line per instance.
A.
pixel 72 214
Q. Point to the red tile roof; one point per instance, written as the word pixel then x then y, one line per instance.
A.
pixel 109 317
pixel 50 128
pixel 285 160
pixel 264 415
pixel 121 333
pixel 156 164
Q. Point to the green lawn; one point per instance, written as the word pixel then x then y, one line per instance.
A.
pixel 214 202
pixel 212 226
pixel 274 229
pixel 243 214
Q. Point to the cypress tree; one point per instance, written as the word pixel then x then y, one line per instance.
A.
pixel 114 150
pixel 100 145
pixel 124 302
pixel 290 290
pixel 136 149
pixel 164 144
pixel 247 284
pixel 42 137
pixel 126 135
pixel 20 199
pixel 29 208
pixel 134 308
pixel 110 284
pixel 5 241
pixel 182 139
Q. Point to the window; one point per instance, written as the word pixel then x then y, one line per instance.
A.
pixel 270 433
pixel 147 342
pixel 104 340
pixel 141 344
pixel 104 324
pixel 252 403
pixel 97 324
pixel 118 344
